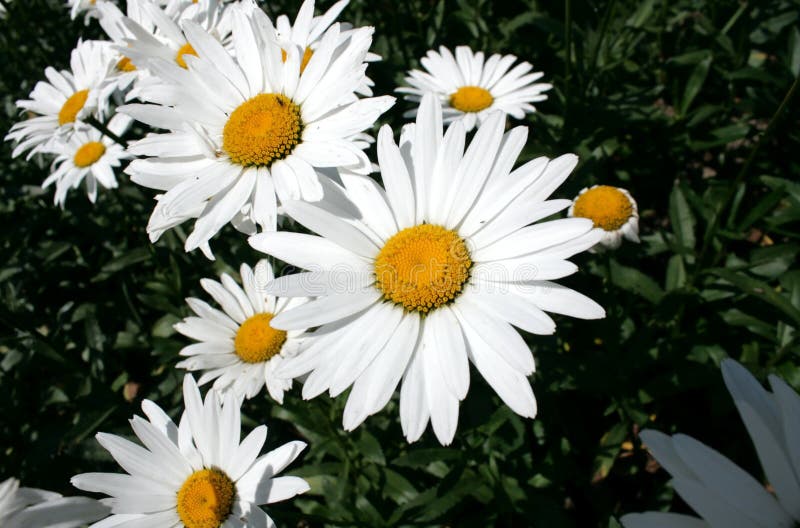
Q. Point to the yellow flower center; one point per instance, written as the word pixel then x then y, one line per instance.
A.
pixel 186 49
pixel 471 99
pixel 89 153
pixel 126 65
pixel 256 341
pixel 306 57
pixel 72 106
pixel 422 267
pixel 205 499
pixel 606 206
pixel 262 129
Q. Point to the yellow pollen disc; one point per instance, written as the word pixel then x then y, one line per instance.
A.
pixel 606 206
pixel 261 130
pixel 186 49
pixel 205 499
pixel 256 341
pixel 72 106
pixel 125 65
pixel 304 62
pixel 89 153
pixel 471 99
pixel 422 267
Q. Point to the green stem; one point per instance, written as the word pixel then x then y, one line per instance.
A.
pixel 92 120
pixel 600 39
pixel 742 175
pixel 567 57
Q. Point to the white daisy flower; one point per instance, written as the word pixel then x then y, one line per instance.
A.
pixel 3 11
pixel 112 20
pixel 441 264
pixel 470 89
pixel 168 42
pixel 307 30
pixel 36 508
pixel 198 474
pixel 721 492
pixel 238 348
pixel 612 210
pixel 69 97
pixel 87 156
pixel 247 128
pixel 89 7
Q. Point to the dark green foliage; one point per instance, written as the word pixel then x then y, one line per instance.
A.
pixel 676 101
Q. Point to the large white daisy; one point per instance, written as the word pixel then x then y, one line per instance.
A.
pixel 69 97
pixel 470 89
pixel 247 128
pixel 721 492
pixel 198 474
pixel 441 265
pixel 238 348
pixel 36 508
pixel 88 157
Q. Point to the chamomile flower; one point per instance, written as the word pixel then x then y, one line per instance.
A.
pixel 470 89
pixel 238 348
pixel 612 210
pixel 87 157
pixel 308 29
pixel 440 266
pixel 197 474
pixel 69 97
pixel 36 508
pixel 250 127
pixel 721 492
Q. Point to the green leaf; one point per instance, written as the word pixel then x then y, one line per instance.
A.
pixel 695 83
pixel 682 219
pixel 760 290
pixel 635 281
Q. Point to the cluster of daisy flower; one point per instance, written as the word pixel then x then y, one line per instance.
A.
pixel 250 121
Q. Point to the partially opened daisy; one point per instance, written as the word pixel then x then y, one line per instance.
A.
pixel 441 265
pixel 198 474
pixel 70 96
pixel 238 348
pixel 612 210
pixel 36 508
pixel 470 88
pixel 87 157
pixel 721 492
pixel 248 128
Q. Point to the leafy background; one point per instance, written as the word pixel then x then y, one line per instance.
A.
pixel 686 103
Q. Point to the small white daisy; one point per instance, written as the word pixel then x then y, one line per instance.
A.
pixel 470 89
pixel 68 98
pixel 88 7
pixel 198 474
pixel 307 30
pixel 721 492
pixel 244 129
pixel 612 210
pixel 441 265
pixel 87 156
pixel 238 347
pixel 167 41
pixel 36 508
pixel 112 20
